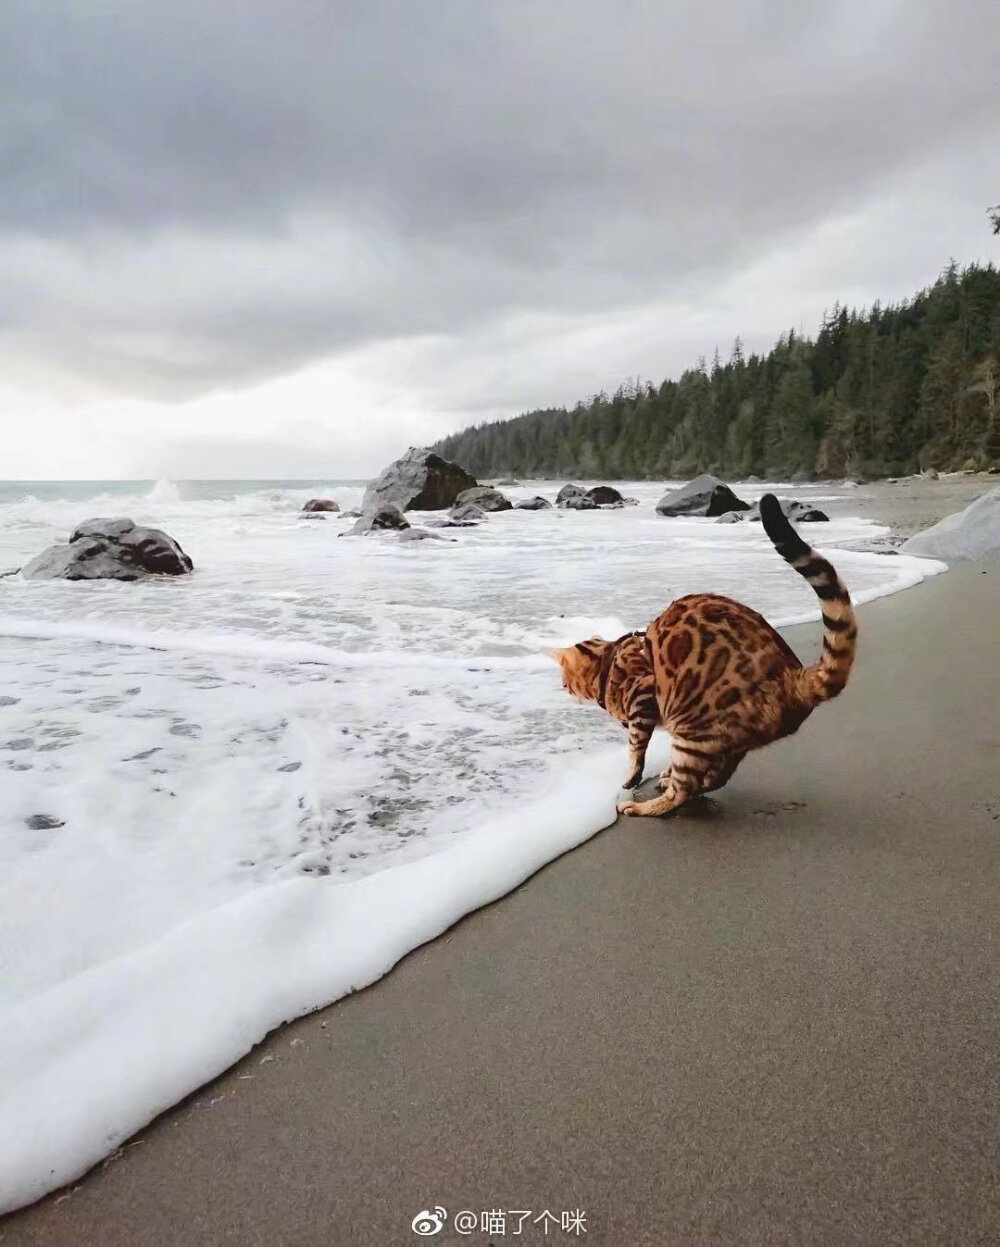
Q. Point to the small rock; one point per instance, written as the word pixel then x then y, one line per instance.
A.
pixel 43 822
pixel 605 496
pixel 386 516
pixel 508 482
pixel 484 497
pixel 422 534
pixel 466 514
pixel 538 503
pixel 315 505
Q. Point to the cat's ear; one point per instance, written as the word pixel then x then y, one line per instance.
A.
pixel 554 654
pixel 597 637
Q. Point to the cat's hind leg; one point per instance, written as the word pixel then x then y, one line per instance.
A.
pixel 722 776
pixel 690 762
pixel 693 769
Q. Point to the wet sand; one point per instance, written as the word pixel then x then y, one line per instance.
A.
pixel 771 1019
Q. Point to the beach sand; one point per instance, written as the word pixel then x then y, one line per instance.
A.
pixel 770 1019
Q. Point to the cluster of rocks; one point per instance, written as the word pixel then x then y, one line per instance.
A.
pixel 708 496
pixel 576 498
pixel 800 512
pixel 422 481
pixel 110 549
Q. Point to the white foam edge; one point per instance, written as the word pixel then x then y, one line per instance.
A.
pixel 89 1062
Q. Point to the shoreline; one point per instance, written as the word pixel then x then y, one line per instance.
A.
pixel 234 1084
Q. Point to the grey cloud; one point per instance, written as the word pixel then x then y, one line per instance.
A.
pixel 200 194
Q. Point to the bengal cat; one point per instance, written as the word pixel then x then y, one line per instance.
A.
pixel 716 675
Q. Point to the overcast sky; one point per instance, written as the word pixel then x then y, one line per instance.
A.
pixel 272 238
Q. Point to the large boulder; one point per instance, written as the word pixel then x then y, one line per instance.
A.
pixel 705 495
pixel 967 534
pixel 538 503
pixel 110 549
pixel 419 481
pixel 485 497
pixel 318 505
pixel 386 516
pixel 569 491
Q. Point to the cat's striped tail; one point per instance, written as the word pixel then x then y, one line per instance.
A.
pixel 826 678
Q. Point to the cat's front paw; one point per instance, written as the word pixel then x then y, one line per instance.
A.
pixel 627 807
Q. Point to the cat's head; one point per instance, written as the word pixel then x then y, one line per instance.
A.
pixel 581 665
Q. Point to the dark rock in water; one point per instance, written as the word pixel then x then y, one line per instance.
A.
pixel 538 503
pixel 321 504
pixel 705 495
pixel 422 534
pixel 419 481
pixel 486 497
pixel 43 822
pixel 110 549
pixel 466 514
pixel 508 482
pixel 992 471
pixel 799 512
pixel 569 491
pixel 386 516
pixel 605 496
pixel 579 502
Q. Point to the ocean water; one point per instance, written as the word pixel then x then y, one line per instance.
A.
pixel 230 798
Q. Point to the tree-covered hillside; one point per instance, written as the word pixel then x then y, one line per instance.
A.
pixel 879 392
